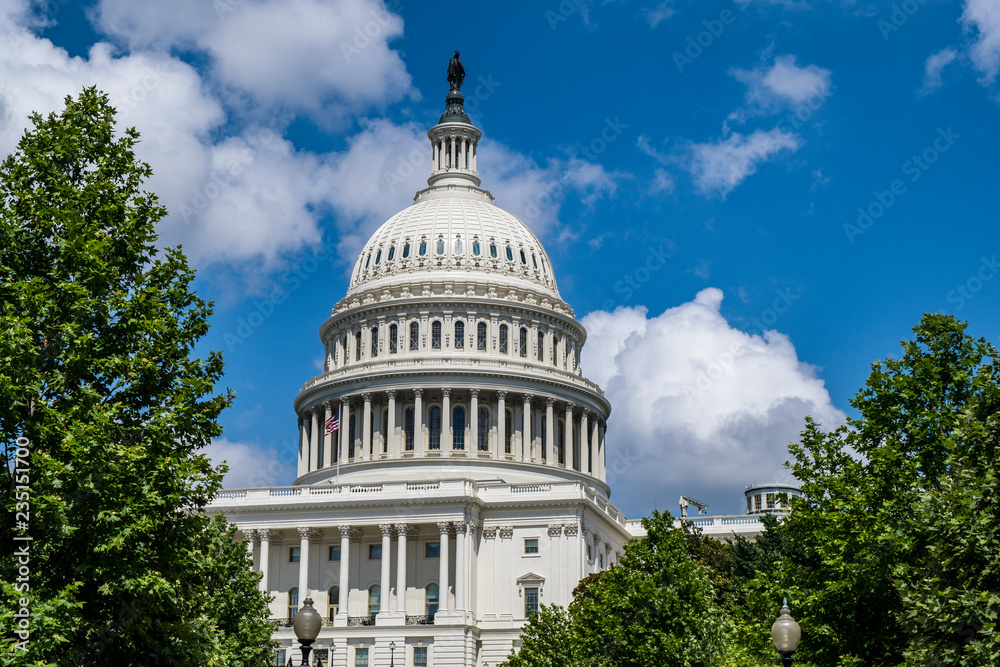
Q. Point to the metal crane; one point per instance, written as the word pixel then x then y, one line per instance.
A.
pixel 685 501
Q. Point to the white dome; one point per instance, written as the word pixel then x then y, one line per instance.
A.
pixel 455 230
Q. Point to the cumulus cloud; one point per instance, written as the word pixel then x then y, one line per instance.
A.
pixel 717 167
pixel 782 84
pixel 658 14
pixel 982 18
pixel 321 57
pixel 700 408
pixel 251 464
pixel 933 68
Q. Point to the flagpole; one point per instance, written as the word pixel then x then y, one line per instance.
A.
pixel 338 448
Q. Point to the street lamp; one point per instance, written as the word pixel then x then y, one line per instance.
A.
pixel 392 650
pixel 306 624
pixel 785 634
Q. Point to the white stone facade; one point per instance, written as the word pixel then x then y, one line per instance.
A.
pixel 466 482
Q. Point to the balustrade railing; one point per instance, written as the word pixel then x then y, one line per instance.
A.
pixel 419 620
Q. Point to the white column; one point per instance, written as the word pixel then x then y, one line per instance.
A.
pixel 474 422
pixel 390 429
pixel 304 534
pixel 327 439
pixel 434 155
pixel 526 429
pixel 568 458
pixel 460 564
pixel 265 535
pixel 345 429
pixel 344 580
pixel 444 527
pixel 366 436
pixel 602 453
pixel 501 448
pixel 446 441
pixel 314 433
pixel 464 161
pixel 303 466
pixel 474 156
pixel 401 532
pixel 387 530
pixel 418 422
pixel 551 457
pixel 584 442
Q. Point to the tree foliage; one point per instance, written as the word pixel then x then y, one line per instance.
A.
pixel 99 384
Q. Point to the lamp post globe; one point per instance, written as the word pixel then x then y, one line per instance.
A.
pixel 785 633
pixel 306 624
pixel 392 651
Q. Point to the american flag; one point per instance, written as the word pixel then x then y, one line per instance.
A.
pixel 333 423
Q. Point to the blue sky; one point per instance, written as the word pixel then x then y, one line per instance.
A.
pixel 746 202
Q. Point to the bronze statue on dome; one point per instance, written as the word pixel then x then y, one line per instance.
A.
pixel 456 73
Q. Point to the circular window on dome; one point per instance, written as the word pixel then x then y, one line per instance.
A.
pixel 458 246
pixel 440 246
pixel 510 254
pixel 493 250
pixel 406 250
pixel 524 260
pixel 392 253
pixel 378 257
pixel 423 248
pixel 475 248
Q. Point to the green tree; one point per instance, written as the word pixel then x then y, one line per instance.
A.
pixel 548 640
pixel 866 536
pixel 99 386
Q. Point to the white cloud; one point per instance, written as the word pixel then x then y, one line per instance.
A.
pixel 933 67
pixel 700 408
pixel 321 57
pixel 718 167
pixel 782 84
pixel 658 14
pixel 250 464
pixel 982 17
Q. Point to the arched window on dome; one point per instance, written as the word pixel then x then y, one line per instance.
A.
pixel 431 600
pixel 523 351
pixel 393 339
pixel 524 260
pixel 414 336
pixel 493 250
pixel 476 249
pixel 368 261
pixel 510 254
pixel 458 246
pixel 481 336
pixel 561 442
pixel 382 426
pixel 459 335
pixel 434 427
pixel 504 329
pixel 458 427
pixel 392 253
pixel 439 249
pixel 406 250
pixel 357 346
pixel 508 438
pixel 408 428
pixel 483 426
pixel 333 602
pixel 543 430
pixel 378 257
pixel 552 350
pixel 436 335
pixel 374 600
pixel 352 436
pixel 375 341
pixel 541 346
pixel 422 250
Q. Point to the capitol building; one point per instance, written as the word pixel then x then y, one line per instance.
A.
pixel 451 468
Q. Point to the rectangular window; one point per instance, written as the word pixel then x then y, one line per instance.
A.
pixel 279 657
pixel 770 501
pixel 419 656
pixel 293 554
pixel 590 554
pixel 756 502
pixel 334 553
pixel 361 657
pixel 530 602
pixel 432 550
pixel 374 551
pixel 531 545
pixel 503 339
